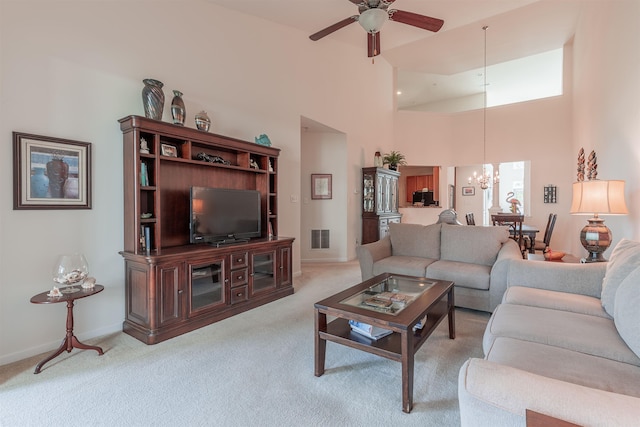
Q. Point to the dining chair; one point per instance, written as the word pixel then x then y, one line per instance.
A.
pixel 470 219
pixel 544 244
pixel 514 222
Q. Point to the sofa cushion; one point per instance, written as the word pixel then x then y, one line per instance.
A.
pixel 411 266
pixel 567 365
pixel 472 244
pixel 463 274
pixel 624 259
pixel 555 300
pixel 415 240
pixel 579 332
pixel 627 310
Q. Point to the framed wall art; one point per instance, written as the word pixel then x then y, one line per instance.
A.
pixel 468 191
pixel 320 186
pixel 50 173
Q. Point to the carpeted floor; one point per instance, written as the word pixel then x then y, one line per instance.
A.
pixel 255 368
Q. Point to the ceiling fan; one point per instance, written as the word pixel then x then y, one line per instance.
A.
pixel 372 15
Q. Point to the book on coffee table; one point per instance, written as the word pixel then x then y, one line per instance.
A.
pixel 369 331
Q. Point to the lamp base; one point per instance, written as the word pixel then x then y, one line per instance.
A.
pixel 595 238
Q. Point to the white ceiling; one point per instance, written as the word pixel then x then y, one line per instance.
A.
pixel 435 66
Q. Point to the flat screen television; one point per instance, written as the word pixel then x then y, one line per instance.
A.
pixel 224 216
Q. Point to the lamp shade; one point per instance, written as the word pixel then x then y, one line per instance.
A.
pixel 373 19
pixel 599 197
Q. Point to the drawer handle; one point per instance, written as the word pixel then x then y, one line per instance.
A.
pixel 239 277
pixel 239 294
pixel 226 280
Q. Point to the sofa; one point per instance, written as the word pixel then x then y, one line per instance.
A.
pixel 564 342
pixel 474 258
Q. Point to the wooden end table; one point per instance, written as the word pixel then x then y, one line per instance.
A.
pixel 435 301
pixel 70 341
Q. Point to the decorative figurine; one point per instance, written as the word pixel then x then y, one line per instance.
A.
pixel 263 140
pixel 144 146
pixel 253 164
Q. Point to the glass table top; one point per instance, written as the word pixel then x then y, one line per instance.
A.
pixel 391 295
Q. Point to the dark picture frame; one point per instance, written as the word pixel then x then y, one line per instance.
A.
pixel 321 186
pixel 468 191
pixel 50 173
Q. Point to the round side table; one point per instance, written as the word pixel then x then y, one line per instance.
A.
pixel 70 341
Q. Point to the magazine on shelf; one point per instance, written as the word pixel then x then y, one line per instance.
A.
pixel 420 324
pixel 369 331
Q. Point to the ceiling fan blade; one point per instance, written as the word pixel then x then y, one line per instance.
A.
pixel 373 44
pixel 331 28
pixel 420 21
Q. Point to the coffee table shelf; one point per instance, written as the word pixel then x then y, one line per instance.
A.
pixel 340 332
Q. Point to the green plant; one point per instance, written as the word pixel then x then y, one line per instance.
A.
pixel 394 158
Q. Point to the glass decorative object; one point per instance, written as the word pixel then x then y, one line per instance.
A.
pixel 70 270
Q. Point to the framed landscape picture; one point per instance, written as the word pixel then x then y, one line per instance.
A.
pixel 468 191
pixel 50 173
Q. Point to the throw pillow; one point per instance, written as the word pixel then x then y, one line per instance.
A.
pixel 415 240
pixel 624 259
pixel 627 315
pixel 475 245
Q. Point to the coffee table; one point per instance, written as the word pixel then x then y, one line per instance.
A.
pixel 423 296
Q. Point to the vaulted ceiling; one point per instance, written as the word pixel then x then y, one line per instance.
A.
pixel 434 66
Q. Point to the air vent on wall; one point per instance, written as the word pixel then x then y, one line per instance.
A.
pixel 319 239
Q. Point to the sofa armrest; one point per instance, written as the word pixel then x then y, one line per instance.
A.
pixel 498 282
pixel 370 253
pixel 583 279
pixel 491 394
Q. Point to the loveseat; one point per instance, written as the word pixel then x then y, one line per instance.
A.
pixel 564 342
pixel 474 258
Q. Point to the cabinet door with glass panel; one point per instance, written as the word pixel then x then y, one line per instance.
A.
pixel 207 283
pixel 263 271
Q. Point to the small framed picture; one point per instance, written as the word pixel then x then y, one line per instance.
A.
pixel 50 173
pixel 468 191
pixel 320 186
pixel 169 150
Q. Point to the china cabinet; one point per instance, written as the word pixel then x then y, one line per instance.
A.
pixel 379 202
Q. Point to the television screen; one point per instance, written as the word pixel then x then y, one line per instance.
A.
pixel 224 215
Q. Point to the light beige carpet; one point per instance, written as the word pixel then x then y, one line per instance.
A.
pixel 255 368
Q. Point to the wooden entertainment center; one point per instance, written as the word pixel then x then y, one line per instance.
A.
pixel 172 286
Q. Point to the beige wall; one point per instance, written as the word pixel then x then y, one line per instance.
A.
pixel 72 69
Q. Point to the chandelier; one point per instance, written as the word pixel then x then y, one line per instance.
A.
pixel 485 179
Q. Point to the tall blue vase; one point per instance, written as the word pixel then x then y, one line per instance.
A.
pixel 39 184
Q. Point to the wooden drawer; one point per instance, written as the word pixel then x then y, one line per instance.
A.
pixel 395 220
pixel 239 260
pixel 239 277
pixel 239 294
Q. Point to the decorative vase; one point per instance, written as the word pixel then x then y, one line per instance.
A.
pixel 177 108
pixel 58 172
pixel 203 121
pixel 153 99
pixel 39 184
pixel 71 190
pixel 377 160
pixel 393 166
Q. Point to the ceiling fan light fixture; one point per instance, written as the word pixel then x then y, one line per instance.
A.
pixel 372 20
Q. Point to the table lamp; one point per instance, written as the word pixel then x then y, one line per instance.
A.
pixel 596 198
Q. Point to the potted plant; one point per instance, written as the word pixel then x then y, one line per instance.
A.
pixel 394 159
